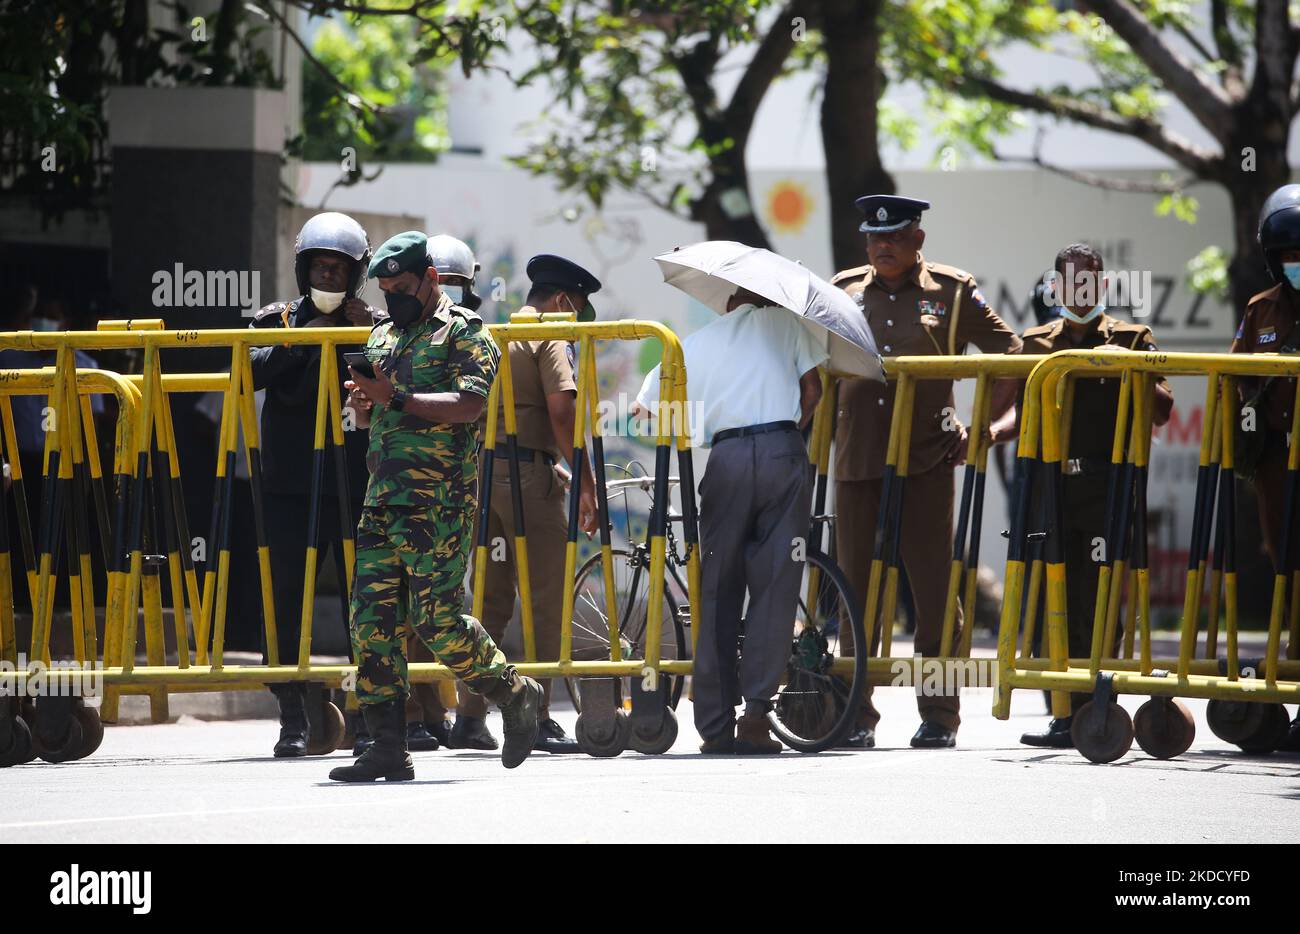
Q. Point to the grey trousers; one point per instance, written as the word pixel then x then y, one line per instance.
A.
pixel 754 503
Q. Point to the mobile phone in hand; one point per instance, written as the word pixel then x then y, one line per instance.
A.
pixel 361 363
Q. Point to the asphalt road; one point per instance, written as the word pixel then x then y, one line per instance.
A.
pixel 216 782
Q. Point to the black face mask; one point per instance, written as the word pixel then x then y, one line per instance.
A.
pixel 404 309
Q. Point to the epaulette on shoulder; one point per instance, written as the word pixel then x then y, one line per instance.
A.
pixel 1039 330
pixel 273 315
pixel 952 272
pixel 1267 295
pixel 853 273
pixel 471 318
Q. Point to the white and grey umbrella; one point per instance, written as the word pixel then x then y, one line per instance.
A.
pixel 711 272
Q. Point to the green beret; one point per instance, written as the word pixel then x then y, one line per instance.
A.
pixel 406 252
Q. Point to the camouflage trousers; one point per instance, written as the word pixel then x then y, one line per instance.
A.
pixel 410 573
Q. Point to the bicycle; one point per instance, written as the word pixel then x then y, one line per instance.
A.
pixel 815 706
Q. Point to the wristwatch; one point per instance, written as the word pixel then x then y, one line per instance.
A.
pixel 397 401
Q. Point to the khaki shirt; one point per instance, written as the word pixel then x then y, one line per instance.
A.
pixel 538 369
pixel 1269 325
pixel 923 318
pixel 1092 422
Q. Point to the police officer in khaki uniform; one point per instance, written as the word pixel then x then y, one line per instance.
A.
pixel 1086 470
pixel 545 409
pixel 1269 326
pixel 913 307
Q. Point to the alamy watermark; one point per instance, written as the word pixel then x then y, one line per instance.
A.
pixel 1087 288
pixel 942 677
pixel 179 287
pixel 63 678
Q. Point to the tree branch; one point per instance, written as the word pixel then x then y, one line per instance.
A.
pixel 764 68
pixel 1204 99
pixel 1200 161
pixel 1275 50
pixel 1095 180
pixel 350 96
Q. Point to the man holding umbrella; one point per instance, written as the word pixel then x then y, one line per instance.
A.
pixel 752 382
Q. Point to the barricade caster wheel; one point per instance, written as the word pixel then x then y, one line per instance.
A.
pixel 1271 733
pixel 604 742
pixel 332 734
pixel 62 749
pixel 15 742
pixel 659 743
pixel 1102 734
pixel 1236 721
pixel 1164 728
pixel 92 731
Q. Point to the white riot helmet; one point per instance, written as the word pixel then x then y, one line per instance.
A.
pixel 452 257
pixel 336 233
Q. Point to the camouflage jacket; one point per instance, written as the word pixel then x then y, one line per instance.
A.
pixel 414 462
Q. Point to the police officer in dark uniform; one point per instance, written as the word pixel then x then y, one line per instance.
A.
pixel 1087 468
pixel 1269 326
pixel 332 254
pixel 913 307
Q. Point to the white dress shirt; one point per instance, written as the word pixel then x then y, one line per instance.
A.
pixel 742 369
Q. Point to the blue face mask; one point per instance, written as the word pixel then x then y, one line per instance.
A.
pixel 1081 319
pixel 1292 273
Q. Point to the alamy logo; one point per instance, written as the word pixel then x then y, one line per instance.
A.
pixel 1086 288
pixel 103 887
pixel 179 287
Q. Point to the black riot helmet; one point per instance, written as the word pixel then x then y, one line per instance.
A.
pixel 453 258
pixel 336 233
pixel 1279 228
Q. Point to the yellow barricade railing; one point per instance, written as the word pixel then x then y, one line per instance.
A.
pixel 146 448
pixel 1042 449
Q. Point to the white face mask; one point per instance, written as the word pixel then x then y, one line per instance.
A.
pixel 326 302
pixel 454 292
pixel 44 324
pixel 1080 319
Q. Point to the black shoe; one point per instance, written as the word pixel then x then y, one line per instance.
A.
pixel 519 719
pixel 932 736
pixel 552 738
pixel 1292 741
pixel 441 731
pixel 471 733
pixel 863 737
pixel 387 757
pixel 419 739
pixel 1056 736
pixel 293 721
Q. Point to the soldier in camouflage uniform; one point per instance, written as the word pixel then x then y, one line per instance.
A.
pixel 433 364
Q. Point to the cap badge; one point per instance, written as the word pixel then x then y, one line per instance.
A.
pixel 392 265
pixel 882 215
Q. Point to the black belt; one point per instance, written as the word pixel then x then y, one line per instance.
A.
pixel 526 454
pixel 754 430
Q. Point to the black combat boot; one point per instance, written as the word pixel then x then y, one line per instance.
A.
pixel 419 739
pixel 441 731
pixel 293 720
pixel 387 757
pixel 471 733
pixel 519 698
pixel 362 739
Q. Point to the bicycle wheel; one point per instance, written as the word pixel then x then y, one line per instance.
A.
pixel 816 707
pixel 591 625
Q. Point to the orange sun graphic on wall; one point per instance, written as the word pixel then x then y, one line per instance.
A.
pixel 788 206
